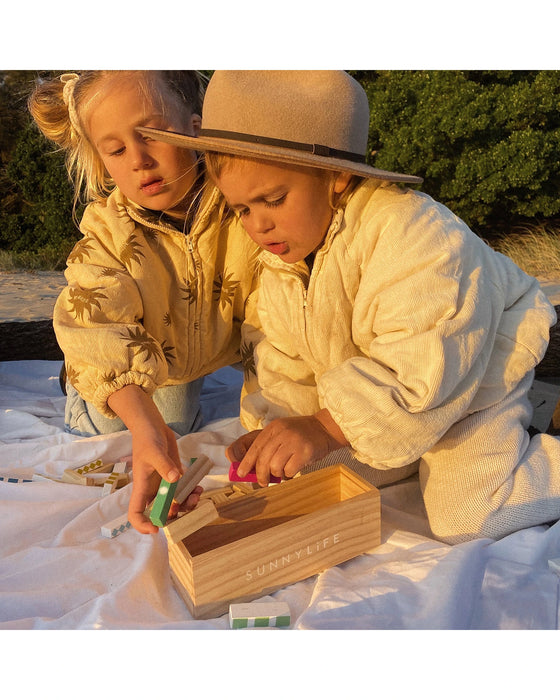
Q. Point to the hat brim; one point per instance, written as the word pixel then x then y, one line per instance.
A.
pixel 265 152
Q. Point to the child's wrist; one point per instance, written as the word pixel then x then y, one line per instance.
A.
pixel 331 427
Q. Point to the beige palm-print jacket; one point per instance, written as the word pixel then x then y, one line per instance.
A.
pixel 148 305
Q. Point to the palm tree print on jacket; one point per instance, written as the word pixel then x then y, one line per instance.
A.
pixel 247 352
pixel 140 341
pixel 80 251
pixel 82 300
pixel 224 289
pixel 131 251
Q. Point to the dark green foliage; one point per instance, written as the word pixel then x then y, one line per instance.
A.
pixel 35 194
pixel 486 142
pixel 43 194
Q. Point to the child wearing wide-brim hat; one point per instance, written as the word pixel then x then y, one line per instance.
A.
pixel 387 327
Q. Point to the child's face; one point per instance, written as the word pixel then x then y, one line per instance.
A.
pixel 284 209
pixel 150 173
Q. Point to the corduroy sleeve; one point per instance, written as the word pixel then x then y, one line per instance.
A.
pixel 427 314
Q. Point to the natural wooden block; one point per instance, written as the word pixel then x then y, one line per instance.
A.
pixel 204 513
pixel 212 493
pixel 244 487
pixel 80 475
pixel 116 479
pixel 273 537
pixel 194 473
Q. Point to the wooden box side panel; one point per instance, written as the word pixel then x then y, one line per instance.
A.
pixel 181 565
pixel 279 556
pixel 276 505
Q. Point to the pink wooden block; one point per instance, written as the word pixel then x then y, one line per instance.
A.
pixel 250 477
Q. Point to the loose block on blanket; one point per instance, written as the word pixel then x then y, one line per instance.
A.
pixel 275 536
pixel 247 615
pixel 115 527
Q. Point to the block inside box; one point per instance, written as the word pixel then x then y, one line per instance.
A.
pixel 275 536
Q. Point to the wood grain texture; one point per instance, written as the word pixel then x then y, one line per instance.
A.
pixel 275 536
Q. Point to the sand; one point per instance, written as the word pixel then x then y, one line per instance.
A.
pixel 30 296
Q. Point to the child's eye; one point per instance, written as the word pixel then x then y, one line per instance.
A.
pixel 275 202
pixel 117 152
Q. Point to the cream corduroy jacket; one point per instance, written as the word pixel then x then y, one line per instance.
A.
pixel 407 322
pixel 146 304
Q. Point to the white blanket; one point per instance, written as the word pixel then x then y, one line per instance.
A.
pixel 58 572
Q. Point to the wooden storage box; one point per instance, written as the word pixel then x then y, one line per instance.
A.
pixel 273 537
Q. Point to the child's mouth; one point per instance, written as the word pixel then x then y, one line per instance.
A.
pixel 277 248
pixel 152 187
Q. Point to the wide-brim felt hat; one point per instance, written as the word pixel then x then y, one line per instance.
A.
pixel 315 118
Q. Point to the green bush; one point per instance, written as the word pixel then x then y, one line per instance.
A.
pixel 486 142
pixel 38 212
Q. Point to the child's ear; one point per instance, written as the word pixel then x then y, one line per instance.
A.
pixel 196 122
pixel 341 182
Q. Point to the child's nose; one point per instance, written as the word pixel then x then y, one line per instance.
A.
pixel 140 157
pixel 262 223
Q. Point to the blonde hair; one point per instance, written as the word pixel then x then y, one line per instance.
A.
pixel 217 162
pixel 59 107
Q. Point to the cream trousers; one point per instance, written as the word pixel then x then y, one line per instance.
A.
pixel 487 478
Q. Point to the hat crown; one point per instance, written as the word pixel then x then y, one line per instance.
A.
pixel 328 108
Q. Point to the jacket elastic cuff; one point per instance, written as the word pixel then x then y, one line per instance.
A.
pixel 107 388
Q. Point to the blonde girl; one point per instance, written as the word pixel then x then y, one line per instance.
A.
pixel 156 287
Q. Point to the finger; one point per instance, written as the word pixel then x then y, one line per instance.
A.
pixel 187 503
pixel 136 507
pixel 144 489
pixel 279 461
pixel 293 466
pixel 192 500
pixel 173 452
pixel 165 468
pixel 249 461
pixel 141 523
pixel 238 449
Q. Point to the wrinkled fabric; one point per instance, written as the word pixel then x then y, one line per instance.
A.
pixel 57 572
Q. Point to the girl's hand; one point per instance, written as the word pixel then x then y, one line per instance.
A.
pixel 155 455
pixel 286 445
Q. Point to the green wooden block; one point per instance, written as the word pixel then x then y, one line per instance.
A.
pixel 162 503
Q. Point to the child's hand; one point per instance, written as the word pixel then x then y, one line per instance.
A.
pixel 188 504
pixel 154 456
pixel 286 445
